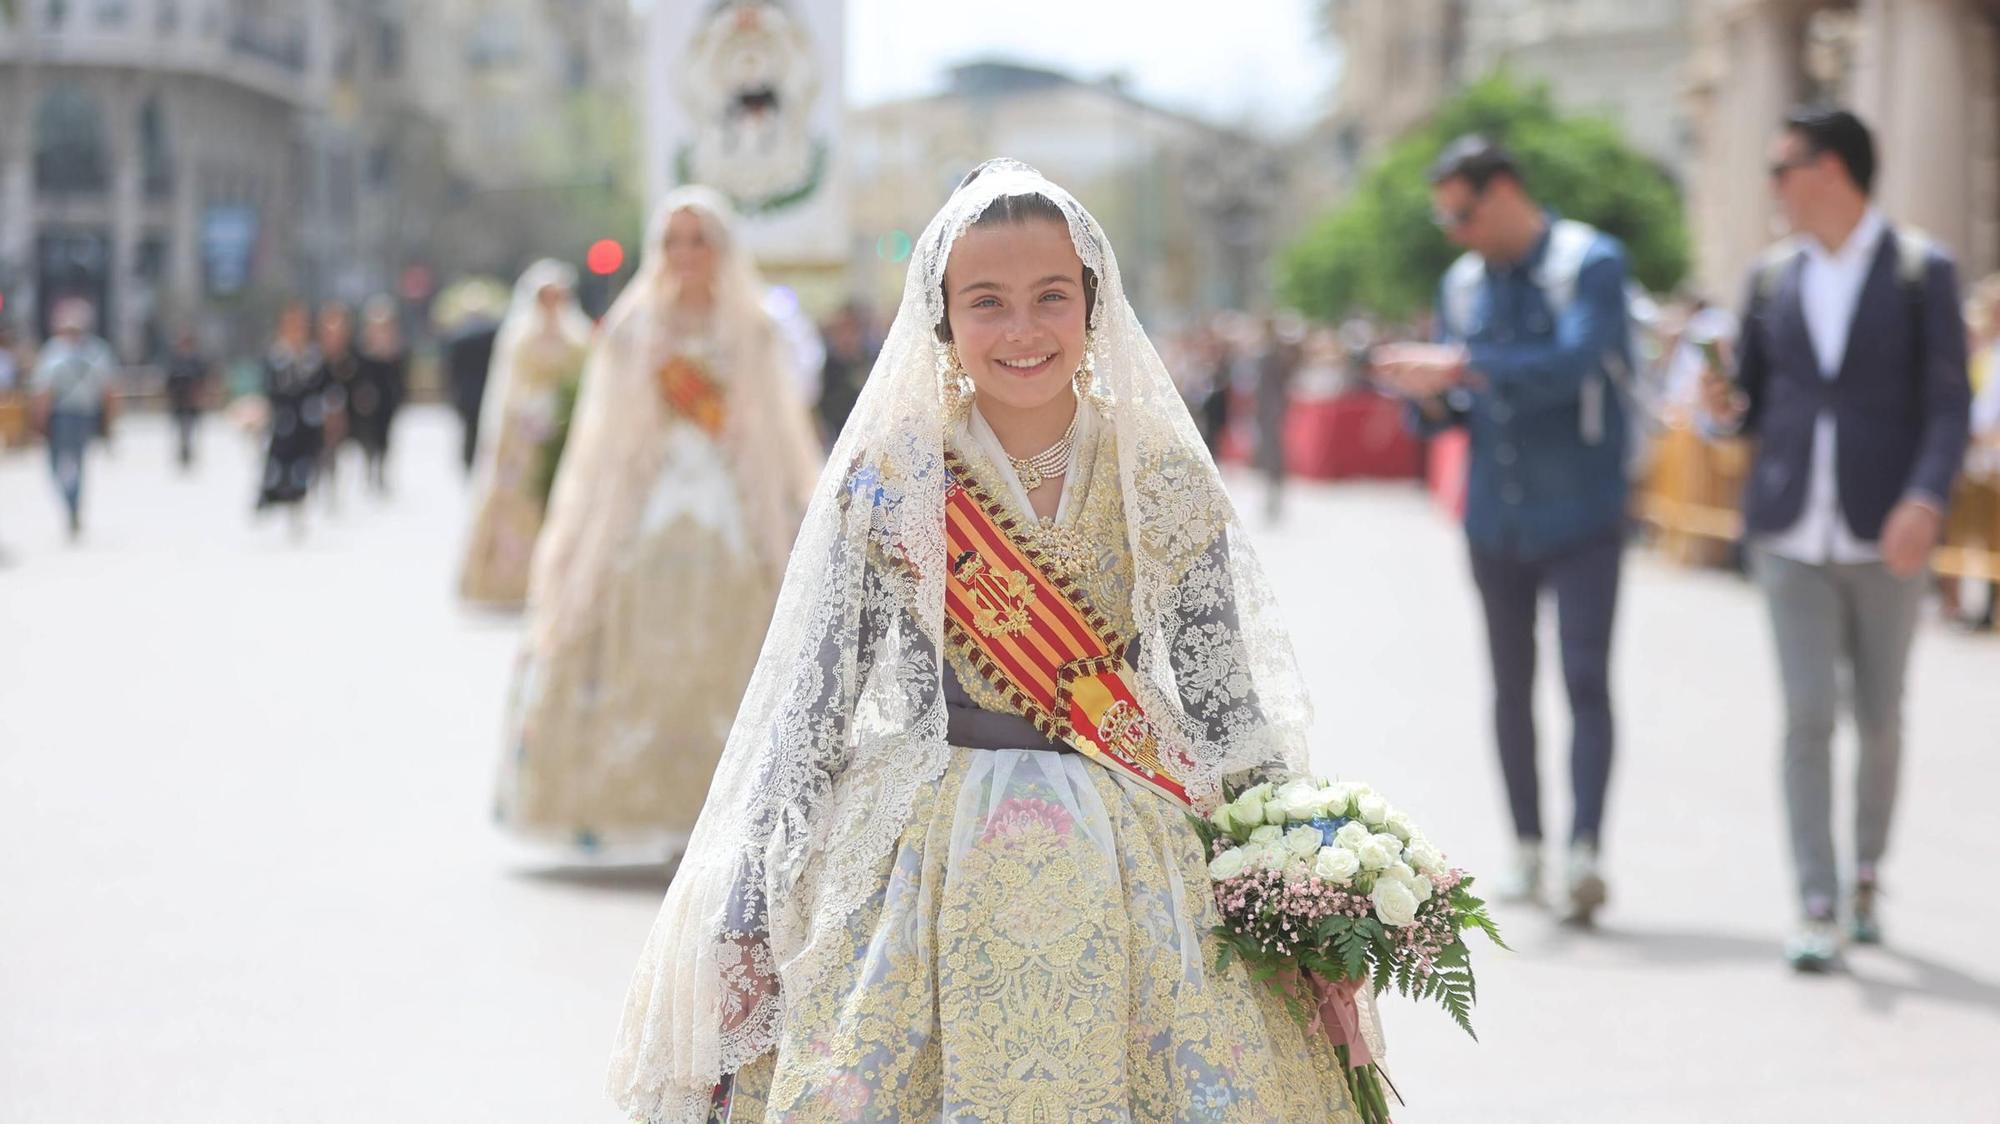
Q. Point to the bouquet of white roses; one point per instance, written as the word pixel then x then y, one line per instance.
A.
pixel 1324 889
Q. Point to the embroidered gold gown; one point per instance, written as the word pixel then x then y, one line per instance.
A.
pixel 659 593
pixel 1039 947
pixel 510 487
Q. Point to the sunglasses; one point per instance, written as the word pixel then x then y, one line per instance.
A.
pixel 1454 219
pixel 1783 167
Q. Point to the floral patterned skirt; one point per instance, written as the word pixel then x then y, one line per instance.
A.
pixel 1039 952
pixel 614 730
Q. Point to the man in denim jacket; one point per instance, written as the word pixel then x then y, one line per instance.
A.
pixel 1533 353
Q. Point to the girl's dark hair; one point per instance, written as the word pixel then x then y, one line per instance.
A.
pixel 1015 210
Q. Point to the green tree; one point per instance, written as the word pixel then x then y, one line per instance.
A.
pixel 1379 252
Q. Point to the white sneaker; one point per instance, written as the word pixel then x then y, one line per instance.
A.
pixel 1815 947
pixel 1522 882
pixel 1586 889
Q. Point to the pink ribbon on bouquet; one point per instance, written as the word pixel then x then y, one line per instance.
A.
pixel 1340 1015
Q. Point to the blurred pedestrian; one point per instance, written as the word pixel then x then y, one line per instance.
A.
pixel 803 345
pixel 1213 410
pixel 295 415
pixel 1274 363
pixel 340 367
pixel 468 357
pixel 10 362
pixel 75 396
pixel 1534 328
pixel 850 356
pixel 189 376
pixel 537 362
pixel 381 382
pixel 1851 373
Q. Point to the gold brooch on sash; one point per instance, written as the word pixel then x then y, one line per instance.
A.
pixel 1000 597
pixel 1064 548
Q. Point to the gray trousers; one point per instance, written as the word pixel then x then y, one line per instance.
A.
pixel 1827 619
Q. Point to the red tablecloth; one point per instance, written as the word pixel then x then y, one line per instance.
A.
pixel 1352 436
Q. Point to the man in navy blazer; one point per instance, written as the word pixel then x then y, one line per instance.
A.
pixel 1851 374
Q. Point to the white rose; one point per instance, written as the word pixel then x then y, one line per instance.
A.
pixel 1394 903
pixel 1338 798
pixel 1426 857
pixel 1399 825
pixel 1336 864
pixel 1246 811
pixel 1417 884
pixel 1304 806
pixel 1292 790
pixel 1352 836
pixel 1264 856
pixel 1257 792
pixel 1269 833
pixel 1228 864
pixel 1372 808
pixel 1253 856
pixel 1303 841
pixel 1275 813
pixel 1379 851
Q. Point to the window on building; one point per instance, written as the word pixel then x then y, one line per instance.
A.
pixel 495 42
pixel 69 142
pixel 167 14
pixel 389 47
pixel 55 13
pixel 381 166
pixel 112 13
pixel 156 165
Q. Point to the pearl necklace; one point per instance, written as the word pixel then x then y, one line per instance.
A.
pixel 1053 461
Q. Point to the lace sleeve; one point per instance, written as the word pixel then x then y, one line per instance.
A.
pixel 846 659
pixel 1213 668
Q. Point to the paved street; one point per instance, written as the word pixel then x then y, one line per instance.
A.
pixel 247 875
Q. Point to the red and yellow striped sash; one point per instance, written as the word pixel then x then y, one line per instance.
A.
pixel 1057 661
pixel 690 392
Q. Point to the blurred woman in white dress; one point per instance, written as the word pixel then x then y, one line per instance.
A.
pixel 688 468
pixel 537 360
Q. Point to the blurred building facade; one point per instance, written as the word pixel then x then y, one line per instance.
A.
pixel 540 101
pixel 1189 204
pixel 1925 74
pixel 1401 58
pixel 197 161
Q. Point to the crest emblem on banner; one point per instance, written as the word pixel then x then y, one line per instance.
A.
pixel 749 83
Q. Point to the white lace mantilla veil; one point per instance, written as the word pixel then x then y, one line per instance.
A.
pixel 612 456
pixel 844 719
pixel 522 323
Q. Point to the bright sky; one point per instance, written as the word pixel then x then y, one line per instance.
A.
pixel 1258 62
pixel 1237 62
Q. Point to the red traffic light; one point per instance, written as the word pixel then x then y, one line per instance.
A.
pixel 605 256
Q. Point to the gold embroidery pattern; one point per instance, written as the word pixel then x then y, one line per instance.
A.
pixel 1000 597
pixel 1016 968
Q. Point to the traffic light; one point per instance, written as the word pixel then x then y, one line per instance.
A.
pixel 604 257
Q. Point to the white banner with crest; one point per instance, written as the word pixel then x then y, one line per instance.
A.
pixel 745 97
